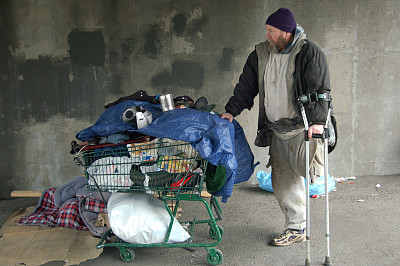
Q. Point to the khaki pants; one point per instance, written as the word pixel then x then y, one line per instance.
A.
pixel 287 158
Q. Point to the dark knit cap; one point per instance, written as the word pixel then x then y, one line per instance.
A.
pixel 282 19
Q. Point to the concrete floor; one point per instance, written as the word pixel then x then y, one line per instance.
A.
pixel 364 229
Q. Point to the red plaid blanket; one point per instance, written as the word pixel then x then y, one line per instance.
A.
pixel 48 214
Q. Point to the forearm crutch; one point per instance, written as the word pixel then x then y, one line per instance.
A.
pixel 307 159
pixel 326 137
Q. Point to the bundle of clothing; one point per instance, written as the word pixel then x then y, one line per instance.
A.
pixel 72 206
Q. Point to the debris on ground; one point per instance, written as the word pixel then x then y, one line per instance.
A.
pixel 342 179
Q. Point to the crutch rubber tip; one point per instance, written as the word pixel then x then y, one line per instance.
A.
pixel 327 261
pixel 308 262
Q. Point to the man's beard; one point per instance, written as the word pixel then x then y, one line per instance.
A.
pixel 277 46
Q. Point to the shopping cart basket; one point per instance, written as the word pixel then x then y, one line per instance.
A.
pixel 171 170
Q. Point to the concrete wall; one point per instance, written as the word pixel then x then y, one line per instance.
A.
pixel 62 61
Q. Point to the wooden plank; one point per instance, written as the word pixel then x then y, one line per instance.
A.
pixel 34 193
pixel 26 194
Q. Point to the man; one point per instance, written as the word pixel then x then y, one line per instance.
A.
pixel 280 70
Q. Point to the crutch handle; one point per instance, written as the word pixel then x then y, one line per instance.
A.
pixel 318 136
pixel 314 136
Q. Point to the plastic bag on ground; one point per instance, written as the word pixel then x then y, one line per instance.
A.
pixel 317 188
pixel 264 180
pixel 142 219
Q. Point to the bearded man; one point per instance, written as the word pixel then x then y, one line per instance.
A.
pixel 280 70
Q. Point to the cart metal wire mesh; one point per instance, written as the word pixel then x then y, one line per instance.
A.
pixel 150 167
pixel 173 170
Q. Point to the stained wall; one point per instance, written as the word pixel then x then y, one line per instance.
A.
pixel 62 61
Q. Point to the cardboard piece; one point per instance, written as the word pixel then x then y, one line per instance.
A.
pixel 36 245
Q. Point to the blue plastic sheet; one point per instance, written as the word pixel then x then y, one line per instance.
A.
pixel 264 180
pixel 217 140
pixel 318 188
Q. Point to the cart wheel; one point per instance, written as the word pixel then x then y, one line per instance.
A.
pixel 215 259
pixel 126 254
pixel 214 234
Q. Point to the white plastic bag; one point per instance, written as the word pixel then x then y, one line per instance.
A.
pixel 110 172
pixel 142 219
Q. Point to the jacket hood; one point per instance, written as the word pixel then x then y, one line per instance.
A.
pixel 298 35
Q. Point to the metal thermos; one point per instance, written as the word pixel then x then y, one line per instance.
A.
pixel 167 103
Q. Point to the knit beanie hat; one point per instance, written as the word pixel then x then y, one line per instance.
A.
pixel 282 19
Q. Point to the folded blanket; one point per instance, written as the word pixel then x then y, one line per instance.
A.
pixel 79 212
pixel 68 190
pixel 91 205
pixel 48 214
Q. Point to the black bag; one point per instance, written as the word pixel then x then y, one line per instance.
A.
pixel 332 134
pixel 264 137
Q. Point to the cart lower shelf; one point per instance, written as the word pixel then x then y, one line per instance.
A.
pixel 214 256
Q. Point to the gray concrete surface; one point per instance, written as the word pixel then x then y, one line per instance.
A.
pixel 364 229
pixel 62 61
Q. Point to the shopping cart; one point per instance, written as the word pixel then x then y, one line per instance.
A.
pixel 171 170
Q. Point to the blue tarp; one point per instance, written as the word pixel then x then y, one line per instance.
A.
pixel 217 140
